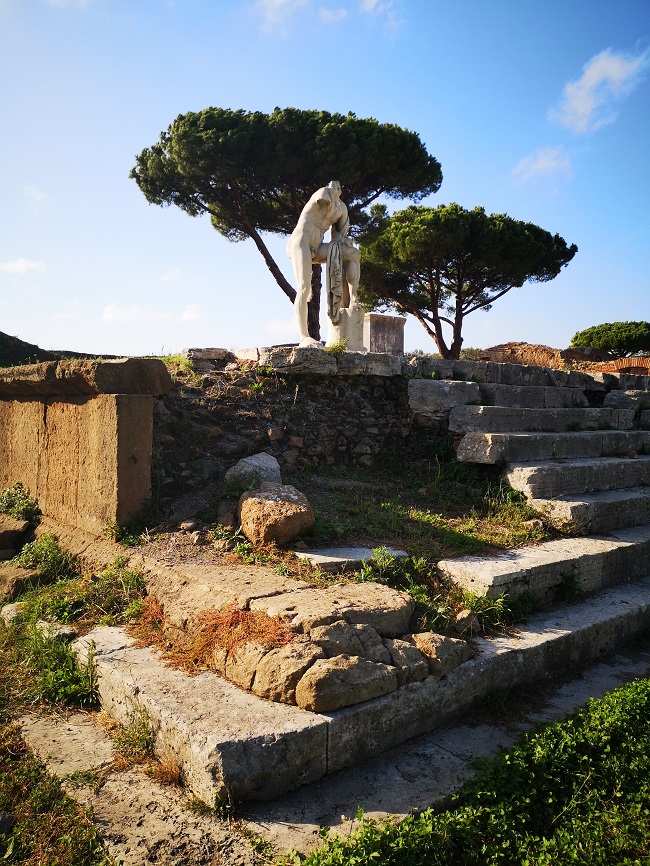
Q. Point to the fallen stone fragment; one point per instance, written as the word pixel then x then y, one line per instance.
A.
pixel 342 682
pixel 338 638
pixel 443 653
pixel 250 472
pixel 334 559
pixel 466 620
pixel 9 613
pixel 15 580
pixel 275 513
pixel 10 530
pixel 280 670
pixel 56 631
pixel 411 665
pixel 373 645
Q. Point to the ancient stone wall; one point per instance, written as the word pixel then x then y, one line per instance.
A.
pixel 85 455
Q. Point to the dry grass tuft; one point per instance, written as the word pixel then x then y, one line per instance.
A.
pixel 147 629
pixel 166 772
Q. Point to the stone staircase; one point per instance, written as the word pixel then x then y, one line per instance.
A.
pixel 584 466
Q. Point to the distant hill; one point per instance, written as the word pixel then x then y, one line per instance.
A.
pixel 14 352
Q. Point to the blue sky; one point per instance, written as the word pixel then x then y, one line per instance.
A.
pixel 536 108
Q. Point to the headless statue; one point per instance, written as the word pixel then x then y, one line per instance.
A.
pixel 306 247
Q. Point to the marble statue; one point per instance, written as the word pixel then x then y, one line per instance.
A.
pixel 306 247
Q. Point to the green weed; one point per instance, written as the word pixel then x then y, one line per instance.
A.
pixel 120 534
pixel 134 741
pixel 337 349
pixel 46 555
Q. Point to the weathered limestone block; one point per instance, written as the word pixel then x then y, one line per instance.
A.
pixel 207 354
pixel 431 396
pixel 56 631
pixel 637 400
pixel 280 670
pixel 336 639
pixel 15 580
pixel 77 378
pixel 384 333
pixel 9 613
pixel 372 644
pixel 443 653
pixel 251 472
pixel 387 610
pixel 342 682
pixel 275 512
pixel 242 662
pixel 411 665
pixel 299 360
pixel 10 530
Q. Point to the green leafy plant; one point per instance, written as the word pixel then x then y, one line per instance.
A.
pixel 120 534
pixel 46 555
pixel 338 348
pixel 17 502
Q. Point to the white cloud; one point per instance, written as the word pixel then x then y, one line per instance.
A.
pixel 171 274
pixel 34 192
pixel 545 162
pixel 332 16
pixel 116 315
pixel 21 266
pixel 587 103
pixel 282 329
pixel 275 12
pixel 384 9
pixel 191 313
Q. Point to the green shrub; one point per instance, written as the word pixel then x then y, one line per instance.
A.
pixel 47 556
pixel 577 792
pixel 16 502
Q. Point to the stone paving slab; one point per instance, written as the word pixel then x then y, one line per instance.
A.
pixel 520 446
pixel 230 743
pixel 507 419
pixel 335 559
pixel 601 511
pixel 585 564
pixel 547 479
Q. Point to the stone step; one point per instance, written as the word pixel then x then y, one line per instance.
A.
pixel 506 419
pixel 554 568
pixel 520 446
pixel 532 396
pixel 549 479
pixel 601 511
pixel 231 744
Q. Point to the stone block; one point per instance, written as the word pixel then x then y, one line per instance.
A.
pixel 240 664
pixel 247 354
pixel 229 744
pixel 383 364
pixel 515 447
pixel 335 559
pixel 532 396
pixel 250 472
pixel 548 479
pixel 373 647
pixel 296 360
pixel 634 400
pixel 275 513
pixel 10 530
pixel 208 354
pixel 56 631
pixel 343 681
pixel 504 419
pixel 644 419
pixel 77 378
pixel 436 396
pixel 387 610
pixel 410 663
pixel 443 653
pixel 384 334
pixel 337 638
pixel 348 328
pixel 279 670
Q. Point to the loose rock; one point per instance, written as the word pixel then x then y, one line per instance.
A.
pixel 275 512
pixel 251 472
pixel 411 665
pixel 280 670
pixel 343 681
pixel 443 653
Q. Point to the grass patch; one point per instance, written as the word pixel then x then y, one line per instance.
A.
pixel 17 502
pixel 577 791
pixel 48 827
pixel 46 555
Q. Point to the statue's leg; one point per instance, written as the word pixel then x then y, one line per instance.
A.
pixel 352 269
pixel 301 258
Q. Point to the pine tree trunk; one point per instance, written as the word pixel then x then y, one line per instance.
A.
pixel 313 308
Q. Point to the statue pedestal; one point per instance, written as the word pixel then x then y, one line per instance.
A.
pixel 350 327
pixel 383 334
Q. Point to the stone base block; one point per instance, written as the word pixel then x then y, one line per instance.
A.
pixel 349 328
pixel 383 333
